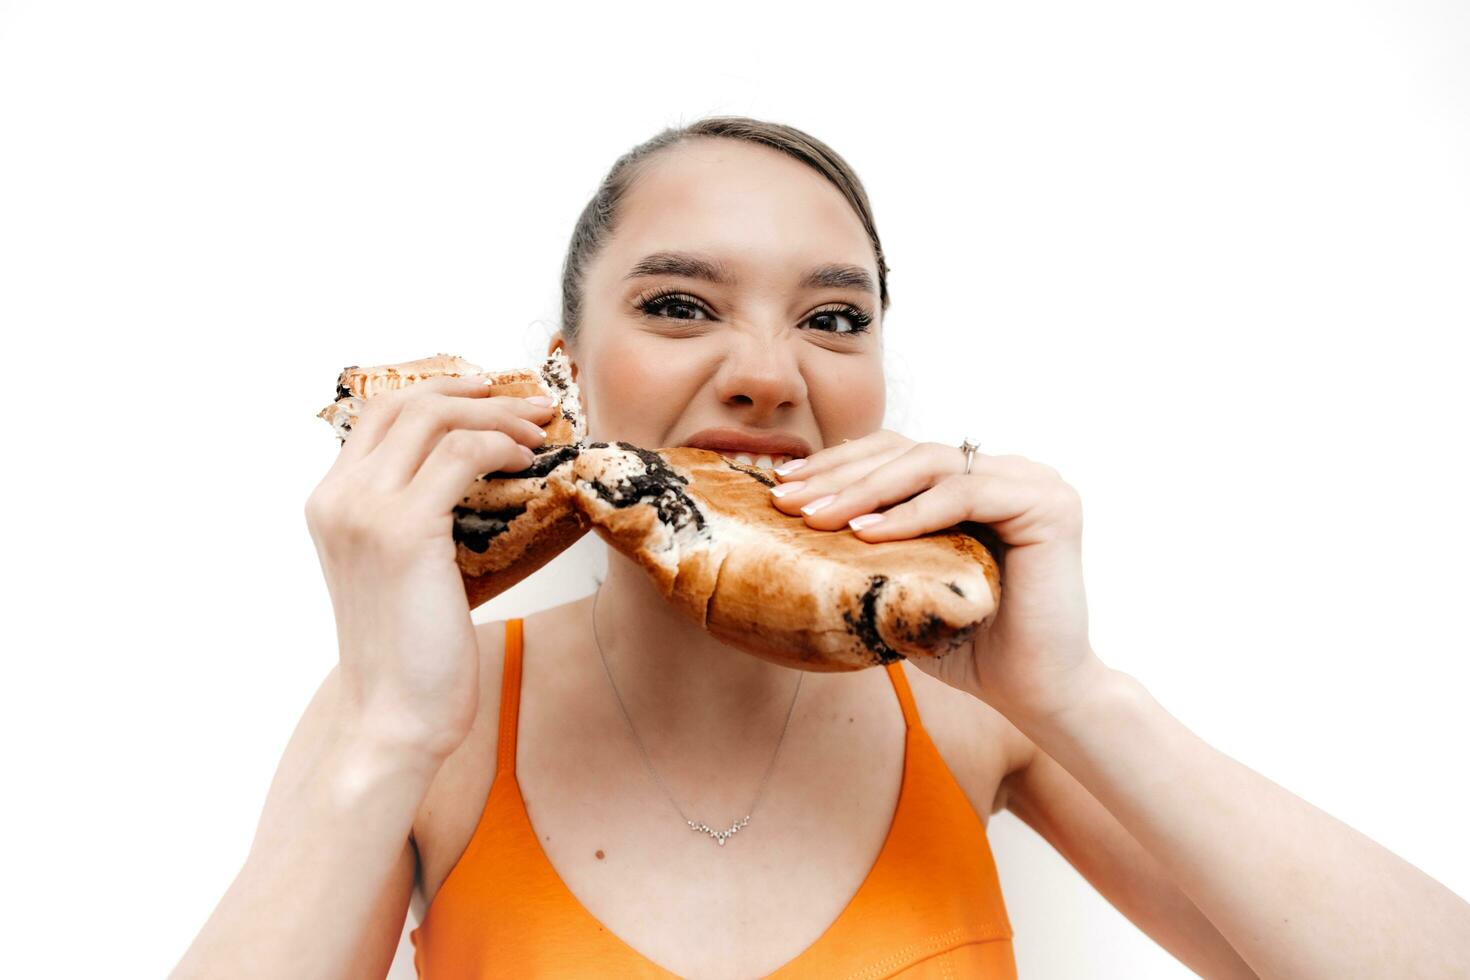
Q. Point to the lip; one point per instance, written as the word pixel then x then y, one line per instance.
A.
pixel 750 441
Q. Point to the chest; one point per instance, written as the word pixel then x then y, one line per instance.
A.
pixel 610 834
pixel 699 908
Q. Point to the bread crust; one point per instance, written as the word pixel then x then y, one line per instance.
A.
pixel 706 533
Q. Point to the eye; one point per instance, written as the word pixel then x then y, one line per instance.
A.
pixel 659 303
pixel 859 319
pixel 656 303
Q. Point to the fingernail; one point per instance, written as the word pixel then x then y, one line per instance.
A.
pixel 864 520
pixel 790 466
pixel 818 504
pixel 542 400
pixel 782 489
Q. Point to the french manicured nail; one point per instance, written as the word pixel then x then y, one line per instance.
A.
pixel 542 400
pixel 782 489
pixel 790 466
pixel 864 520
pixel 818 504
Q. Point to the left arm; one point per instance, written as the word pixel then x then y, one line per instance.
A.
pixel 1295 891
pixel 1050 801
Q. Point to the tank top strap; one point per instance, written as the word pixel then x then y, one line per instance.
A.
pixel 905 695
pixel 510 701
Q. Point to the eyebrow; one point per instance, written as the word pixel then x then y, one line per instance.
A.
pixel 690 266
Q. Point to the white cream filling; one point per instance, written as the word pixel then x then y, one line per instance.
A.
pixel 556 371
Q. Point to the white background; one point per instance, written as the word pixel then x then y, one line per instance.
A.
pixel 1210 261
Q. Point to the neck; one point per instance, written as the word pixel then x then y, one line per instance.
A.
pixel 676 680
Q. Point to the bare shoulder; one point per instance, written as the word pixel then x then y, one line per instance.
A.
pixel 979 744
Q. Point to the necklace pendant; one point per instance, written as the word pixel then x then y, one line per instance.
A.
pixel 720 836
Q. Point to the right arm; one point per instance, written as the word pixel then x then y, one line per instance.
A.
pixel 325 889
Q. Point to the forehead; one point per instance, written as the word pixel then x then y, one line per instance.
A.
pixel 754 207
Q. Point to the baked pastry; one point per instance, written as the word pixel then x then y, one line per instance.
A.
pixel 706 532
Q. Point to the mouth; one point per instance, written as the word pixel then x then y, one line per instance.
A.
pixel 766 448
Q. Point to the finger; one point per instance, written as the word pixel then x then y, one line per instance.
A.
pixel 1018 467
pixel 790 497
pixel 914 470
pixel 378 413
pixel 460 457
pixel 422 424
pixel 841 454
pixel 986 499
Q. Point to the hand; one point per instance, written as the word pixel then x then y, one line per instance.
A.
pixel 1032 659
pixel 382 520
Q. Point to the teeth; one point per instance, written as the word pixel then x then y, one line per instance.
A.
pixel 762 460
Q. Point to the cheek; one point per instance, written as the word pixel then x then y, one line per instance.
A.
pixel 623 406
pixel 849 402
pixel 627 371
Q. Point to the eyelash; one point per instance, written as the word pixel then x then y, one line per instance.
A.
pixel 653 302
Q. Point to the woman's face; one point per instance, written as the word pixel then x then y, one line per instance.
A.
pixel 763 351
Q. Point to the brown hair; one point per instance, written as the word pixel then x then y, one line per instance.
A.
pixel 595 225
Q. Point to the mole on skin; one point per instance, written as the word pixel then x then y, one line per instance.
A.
pixel 599 854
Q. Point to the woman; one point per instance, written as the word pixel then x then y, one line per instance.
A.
pixel 728 275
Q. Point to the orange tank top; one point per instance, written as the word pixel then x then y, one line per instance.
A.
pixel 929 908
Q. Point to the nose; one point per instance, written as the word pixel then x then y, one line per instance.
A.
pixel 760 376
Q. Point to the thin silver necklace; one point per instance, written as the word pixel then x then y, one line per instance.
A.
pixel 718 835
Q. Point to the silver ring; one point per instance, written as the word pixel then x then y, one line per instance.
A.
pixel 969 449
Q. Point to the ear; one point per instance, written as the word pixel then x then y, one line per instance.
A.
pixel 557 340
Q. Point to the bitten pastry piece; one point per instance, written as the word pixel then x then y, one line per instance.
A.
pixel 355 385
pixel 530 521
pixel 705 531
